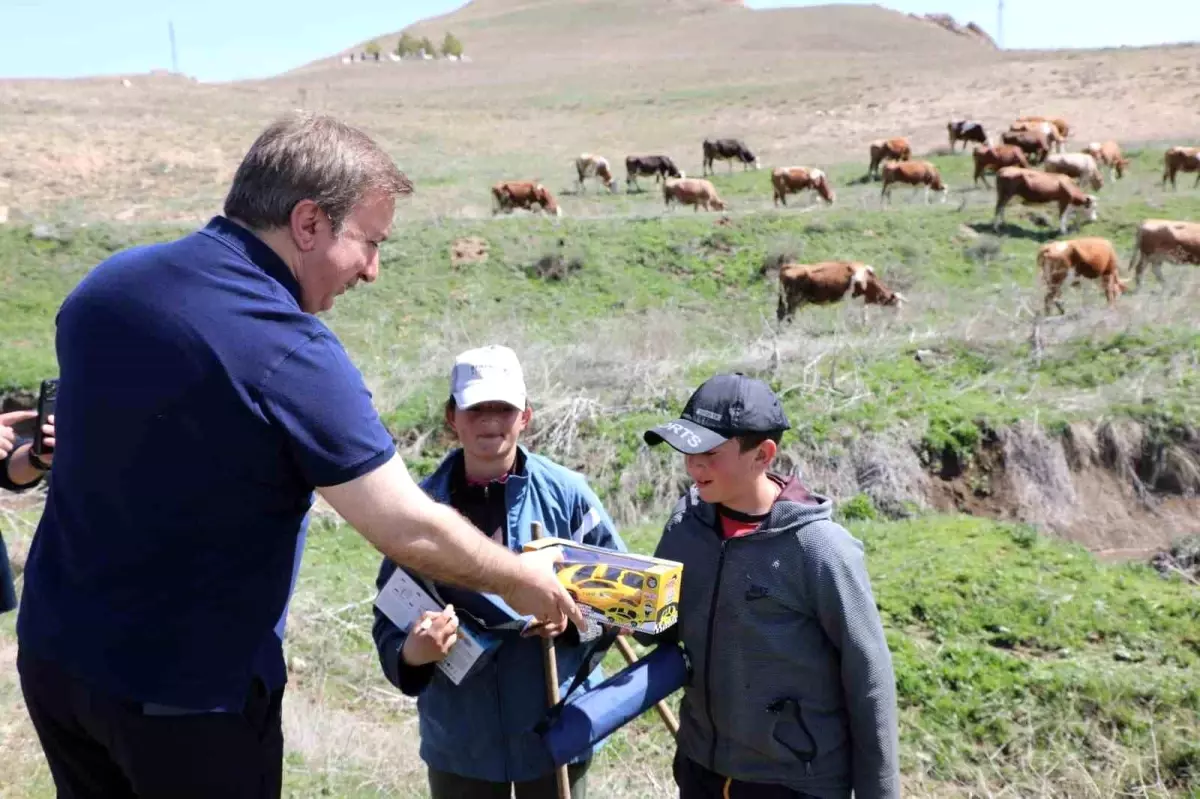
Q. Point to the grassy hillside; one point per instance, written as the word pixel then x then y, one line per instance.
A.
pixel 1026 668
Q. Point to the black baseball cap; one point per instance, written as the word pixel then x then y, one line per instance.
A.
pixel 723 407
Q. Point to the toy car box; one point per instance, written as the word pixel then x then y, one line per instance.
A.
pixel 636 592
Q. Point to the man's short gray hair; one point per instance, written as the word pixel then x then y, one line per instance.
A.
pixel 307 156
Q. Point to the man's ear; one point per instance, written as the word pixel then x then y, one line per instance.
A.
pixel 305 220
pixel 450 419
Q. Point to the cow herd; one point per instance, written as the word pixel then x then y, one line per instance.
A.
pixel 1031 141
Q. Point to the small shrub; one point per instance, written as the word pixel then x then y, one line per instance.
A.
pixel 984 250
pixel 554 266
pixel 859 508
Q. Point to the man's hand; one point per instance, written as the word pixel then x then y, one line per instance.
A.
pixel 431 638
pixel 8 436
pixel 539 594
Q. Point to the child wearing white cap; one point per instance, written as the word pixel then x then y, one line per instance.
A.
pixel 476 737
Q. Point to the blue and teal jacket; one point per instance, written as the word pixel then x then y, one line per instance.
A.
pixel 483 728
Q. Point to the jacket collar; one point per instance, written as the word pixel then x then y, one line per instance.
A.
pixel 437 485
pixel 254 250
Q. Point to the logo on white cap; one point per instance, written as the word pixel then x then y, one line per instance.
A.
pixel 487 374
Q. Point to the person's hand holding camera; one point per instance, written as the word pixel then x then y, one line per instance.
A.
pixel 24 467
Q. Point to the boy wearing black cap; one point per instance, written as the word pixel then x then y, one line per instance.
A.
pixel 792 691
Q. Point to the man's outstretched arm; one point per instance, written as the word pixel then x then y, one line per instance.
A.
pixel 405 524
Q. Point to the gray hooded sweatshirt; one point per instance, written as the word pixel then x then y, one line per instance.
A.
pixel 792 680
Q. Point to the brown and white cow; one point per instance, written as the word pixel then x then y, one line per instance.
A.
pixel 792 179
pixel 1033 187
pixel 1060 125
pixel 727 150
pixel 588 165
pixel 912 173
pixel 1054 139
pixel 828 282
pixel 895 149
pixel 1080 166
pixel 1159 240
pixel 695 192
pixel 1108 154
pixel 1090 257
pixel 994 157
pixel 1181 159
pixel 511 194
pixel 1031 142
pixel 965 130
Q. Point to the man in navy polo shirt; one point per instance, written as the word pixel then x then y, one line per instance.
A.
pixel 200 404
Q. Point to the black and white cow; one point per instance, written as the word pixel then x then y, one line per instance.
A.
pixel 965 130
pixel 661 166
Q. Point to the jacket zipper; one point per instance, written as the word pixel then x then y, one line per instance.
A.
pixel 712 618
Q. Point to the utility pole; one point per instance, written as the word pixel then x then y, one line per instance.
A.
pixel 175 59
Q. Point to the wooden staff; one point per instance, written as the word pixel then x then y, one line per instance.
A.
pixel 551 663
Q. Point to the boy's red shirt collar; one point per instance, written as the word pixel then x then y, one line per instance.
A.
pixel 736 525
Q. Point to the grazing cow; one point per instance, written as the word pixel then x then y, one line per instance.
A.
pixel 995 157
pixel 1060 124
pixel 692 191
pixel 1159 240
pixel 912 173
pixel 965 130
pixel 660 166
pixel 1080 166
pixel 1054 139
pixel 1091 257
pixel 1181 159
pixel 789 179
pixel 1108 154
pixel 827 282
pixel 1031 142
pixel 895 149
pixel 1034 187
pixel 727 150
pixel 588 165
pixel 523 194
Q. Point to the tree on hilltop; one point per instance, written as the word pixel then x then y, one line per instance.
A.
pixel 372 48
pixel 451 45
pixel 408 45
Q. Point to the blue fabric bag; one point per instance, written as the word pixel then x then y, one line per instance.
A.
pixel 588 717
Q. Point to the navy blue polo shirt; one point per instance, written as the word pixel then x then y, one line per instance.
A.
pixel 198 408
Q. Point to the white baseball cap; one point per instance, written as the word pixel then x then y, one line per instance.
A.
pixel 487 374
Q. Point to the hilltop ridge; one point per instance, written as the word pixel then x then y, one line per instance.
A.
pixel 524 30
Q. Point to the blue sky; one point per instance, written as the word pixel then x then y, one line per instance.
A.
pixel 221 40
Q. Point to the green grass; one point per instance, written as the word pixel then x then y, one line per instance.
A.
pixel 1022 663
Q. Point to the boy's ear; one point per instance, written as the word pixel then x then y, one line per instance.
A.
pixel 766 452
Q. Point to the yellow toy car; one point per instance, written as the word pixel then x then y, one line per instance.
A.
pixel 622 589
pixel 617 593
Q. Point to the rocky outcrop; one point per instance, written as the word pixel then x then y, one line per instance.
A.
pixel 970 30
